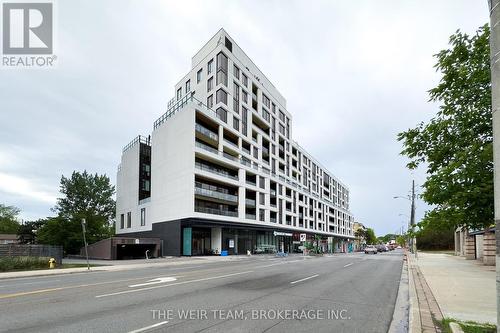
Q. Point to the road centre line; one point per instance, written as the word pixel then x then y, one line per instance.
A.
pixel 304 279
pixel 149 327
pixel 171 284
pixel 348 265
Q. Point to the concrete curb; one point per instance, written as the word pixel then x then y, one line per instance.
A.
pixel 455 328
pixel 415 326
pixel 400 317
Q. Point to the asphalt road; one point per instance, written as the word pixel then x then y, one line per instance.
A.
pixel 341 293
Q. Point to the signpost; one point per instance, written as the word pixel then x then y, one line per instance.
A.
pixel 85 243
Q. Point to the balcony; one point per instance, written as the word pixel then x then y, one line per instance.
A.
pixel 273 192
pixel 215 195
pixel 250 202
pixel 251 216
pixel 207 210
pixel 213 170
pixel 206 132
pixel 206 147
pixel 232 144
pixel 272 219
pixel 231 157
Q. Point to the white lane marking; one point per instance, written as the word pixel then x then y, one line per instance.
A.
pixel 307 278
pixel 149 327
pixel 27 283
pixel 280 263
pixel 171 284
pixel 154 281
pixel 348 265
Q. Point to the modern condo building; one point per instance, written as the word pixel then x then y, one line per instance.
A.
pixel 220 171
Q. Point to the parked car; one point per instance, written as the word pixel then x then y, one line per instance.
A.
pixel 399 247
pixel 371 249
pixel 382 248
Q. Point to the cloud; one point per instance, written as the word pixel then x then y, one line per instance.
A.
pixel 13 185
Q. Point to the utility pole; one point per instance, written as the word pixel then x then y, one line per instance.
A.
pixel 494 6
pixel 85 243
pixel 412 219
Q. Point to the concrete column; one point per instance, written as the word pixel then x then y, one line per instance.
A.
pixel 216 239
pixel 470 248
pixel 489 247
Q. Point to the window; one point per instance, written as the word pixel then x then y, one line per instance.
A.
pixel 236 72
pixel 179 93
pixel 143 216
pixel 266 115
pixel 244 96
pixel 221 96
pixel 210 66
pixel 188 86
pixel 266 101
pixel 228 44
pixel 198 76
pixel 262 199
pixel 236 123
pixel 221 114
pixel 210 84
pixel 236 98
pixel 244 78
pixel 221 69
pixel 122 221
pixel 244 117
pixel 273 108
pixel 129 219
pixel 282 116
pixel 210 101
pixel 262 214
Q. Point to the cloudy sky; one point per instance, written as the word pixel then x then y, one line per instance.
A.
pixel 354 73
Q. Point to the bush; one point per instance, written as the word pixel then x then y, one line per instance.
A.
pixel 23 263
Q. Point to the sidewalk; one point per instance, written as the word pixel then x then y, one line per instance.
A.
pixel 464 289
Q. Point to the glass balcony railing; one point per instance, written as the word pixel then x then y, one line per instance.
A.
pixel 205 131
pixel 232 144
pixel 206 147
pixel 250 202
pixel 205 167
pixel 272 219
pixel 201 209
pixel 231 157
pixel 215 194
pixel 251 216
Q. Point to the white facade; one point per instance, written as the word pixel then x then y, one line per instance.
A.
pixel 224 152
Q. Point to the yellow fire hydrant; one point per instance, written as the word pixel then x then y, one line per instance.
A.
pixel 52 263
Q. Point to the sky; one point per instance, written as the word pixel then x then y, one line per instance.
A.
pixel 354 74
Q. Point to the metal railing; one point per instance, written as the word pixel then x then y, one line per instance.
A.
pixel 215 194
pixel 224 173
pixel 138 139
pixel 203 130
pixel 207 210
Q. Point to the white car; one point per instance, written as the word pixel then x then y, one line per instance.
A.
pixel 371 249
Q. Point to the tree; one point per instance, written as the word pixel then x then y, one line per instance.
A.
pixel 370 236
pixel 8 219
pixel 387 238
pixel 456 145
pixel 84 196
pixel 430 238
pixel 27 232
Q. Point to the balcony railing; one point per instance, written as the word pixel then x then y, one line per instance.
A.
pixel 207 147
pixel 203 130
pixel 201 209
pixel 215 194
pixel 231 157
pixel 250 202
pixel 235 145
pixel 272 219
pixel 204 167
pixel 251 216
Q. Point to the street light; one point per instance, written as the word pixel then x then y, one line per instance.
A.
pixel 85 243
pixel 411 198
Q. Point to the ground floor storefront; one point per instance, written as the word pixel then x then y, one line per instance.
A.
pixel 195 237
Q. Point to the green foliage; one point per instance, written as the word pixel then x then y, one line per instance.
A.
pixel 370 236
pixel 23 263
pixel 456 145
pixel 431 238
pixel 8 219
pixel 84 196
pixel 387 238
pixel 27 232
pixel 401 241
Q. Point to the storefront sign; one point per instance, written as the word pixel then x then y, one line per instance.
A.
pixel 303 237
pixel 231 243
pixel 279 233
